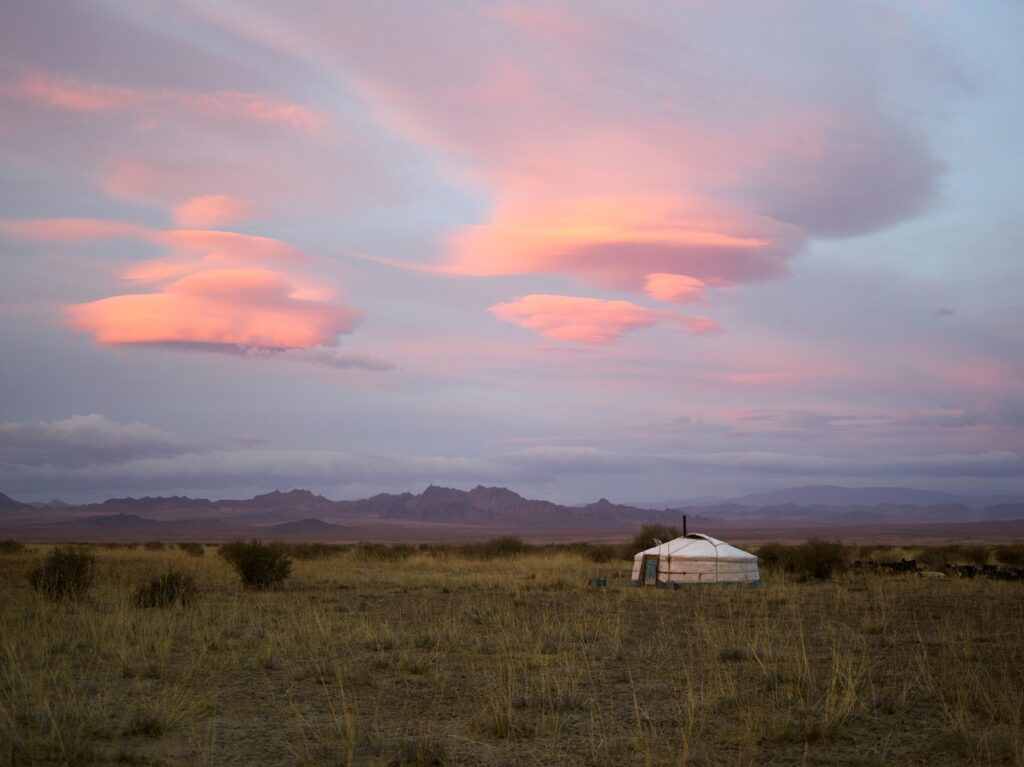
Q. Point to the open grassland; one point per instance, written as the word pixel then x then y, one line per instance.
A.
pixel 441 658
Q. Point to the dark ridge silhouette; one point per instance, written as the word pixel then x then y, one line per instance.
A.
pixel 7 503
pixel 443 513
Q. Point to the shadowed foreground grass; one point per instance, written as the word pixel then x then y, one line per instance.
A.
pixel 435 660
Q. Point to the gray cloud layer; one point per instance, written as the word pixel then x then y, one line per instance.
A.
pixel 93 456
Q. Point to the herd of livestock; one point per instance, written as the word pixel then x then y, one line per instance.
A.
pixel 996 572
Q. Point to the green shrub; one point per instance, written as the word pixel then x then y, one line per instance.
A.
pixel 153 546
pixel 645 538
pixel 67 571
pixel 192 549
pixel 9 546
pixel 259 565
pixel 171 589
pixel 815 559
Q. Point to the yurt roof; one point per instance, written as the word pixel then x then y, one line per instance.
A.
pixel 698 546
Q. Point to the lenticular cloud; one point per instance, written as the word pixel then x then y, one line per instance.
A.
pixel 247 308
pixel 590 320
pixel 216 288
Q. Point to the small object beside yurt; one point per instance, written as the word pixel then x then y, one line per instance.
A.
pixel 694 558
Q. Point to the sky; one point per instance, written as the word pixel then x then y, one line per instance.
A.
pixel 641 251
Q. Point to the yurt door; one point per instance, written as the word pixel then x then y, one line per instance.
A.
pixel 650 570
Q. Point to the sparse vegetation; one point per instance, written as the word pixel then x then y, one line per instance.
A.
pixel 508 546
pixel 814 560
pixel 259 565
pixel 1011 555
pixel 442 658
pixel 154 546
pixel 192 549
pixel 8 546
pixel 307 551
pixel 601 553
pixel 937 556
pixel 169 589
pixel 381 552
pixel 66 573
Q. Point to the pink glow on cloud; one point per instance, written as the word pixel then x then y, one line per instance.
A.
pixel 698 325
pixel 228 247
pixel 245 308
pixel 581 320
pixel 70 229
pixel 675 288
pixel 770 377
pixel 591 321
pixel 191 249
pixel 607 165
pixel 77 96
pixel 213 211
pixel 214 288
pixel 618 241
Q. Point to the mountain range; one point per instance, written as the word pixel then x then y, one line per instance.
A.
pixel 441 513
pixel 834 495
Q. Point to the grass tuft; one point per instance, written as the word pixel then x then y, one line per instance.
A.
pixel 68 572
pixel 259 565
pixel 170 589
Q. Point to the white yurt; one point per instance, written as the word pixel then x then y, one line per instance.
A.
pixel 694 558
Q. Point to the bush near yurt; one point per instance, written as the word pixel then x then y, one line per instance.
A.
pixel 813 560
pixel 67 572
pixel 170 589
pixel 259 565
pixel 600 552
pixel 645 538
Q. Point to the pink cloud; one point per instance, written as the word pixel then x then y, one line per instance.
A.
pixel 244 307
pixel 698 325
pixel 70 229
pixel 618 241
pixel 614 145
pixel 213 211
pixel 581 320
pixel 675 288
pixel 78 96
pixel 191 249
pixel 214 288
pixel 589 320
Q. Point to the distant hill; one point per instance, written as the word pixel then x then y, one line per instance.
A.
pixel 56 503
pixel 834 495
pixel 295 514
pixel 9 504
pixel 312 527
pixel 444 513
pixel 114 521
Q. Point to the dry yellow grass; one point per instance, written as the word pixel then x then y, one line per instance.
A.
pixel 443 660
